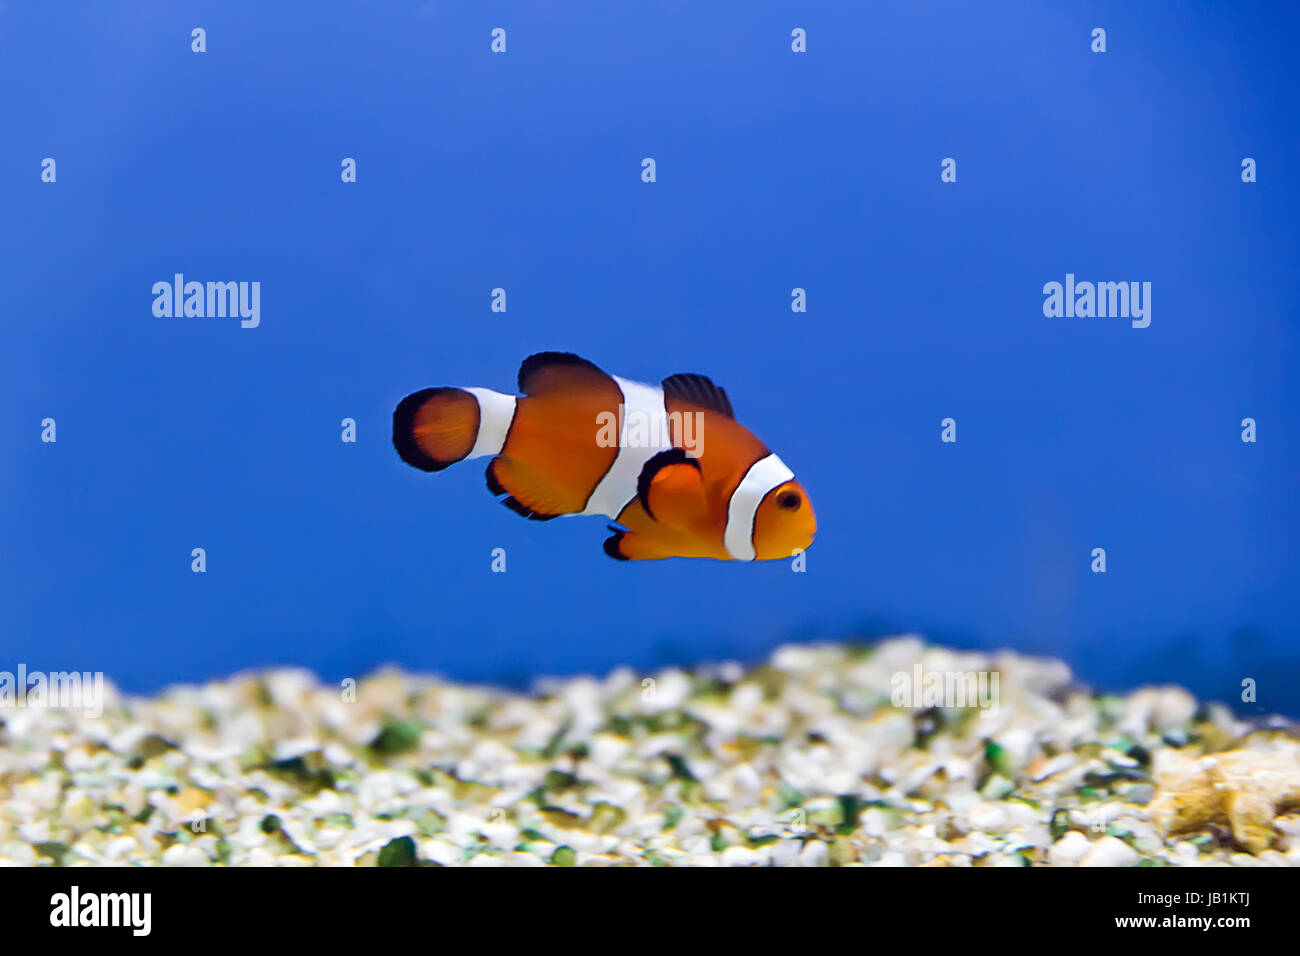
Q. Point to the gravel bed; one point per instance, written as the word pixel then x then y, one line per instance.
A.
pixel 806 760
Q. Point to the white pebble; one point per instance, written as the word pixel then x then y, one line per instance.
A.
pixel 814 853
pixel 1110 851
pixel 988 816
pixel 1068 850
pixel 740 856
pixel 180 854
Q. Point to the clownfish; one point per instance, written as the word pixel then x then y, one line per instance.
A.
pixel 668 462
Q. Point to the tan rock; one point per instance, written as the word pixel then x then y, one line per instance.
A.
pixel 1242 789
pixel 192 798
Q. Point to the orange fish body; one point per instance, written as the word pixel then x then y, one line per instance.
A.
pixel 668 462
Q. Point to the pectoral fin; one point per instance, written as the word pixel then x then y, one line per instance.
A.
pixel 671 488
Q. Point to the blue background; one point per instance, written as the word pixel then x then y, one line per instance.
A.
pixel 775 170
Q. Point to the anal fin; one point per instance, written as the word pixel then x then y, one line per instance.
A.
pixel 636 546
pixel 533 500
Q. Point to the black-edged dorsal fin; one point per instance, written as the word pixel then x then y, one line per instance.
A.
pixel 698 390
pixel 538 372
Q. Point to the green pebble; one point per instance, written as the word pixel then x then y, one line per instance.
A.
pixel 564 856
pixel 398 852
pixel 55 850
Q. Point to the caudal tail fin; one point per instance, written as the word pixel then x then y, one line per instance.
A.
pixel 437 427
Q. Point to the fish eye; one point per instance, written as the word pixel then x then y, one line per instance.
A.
pixel 789 500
